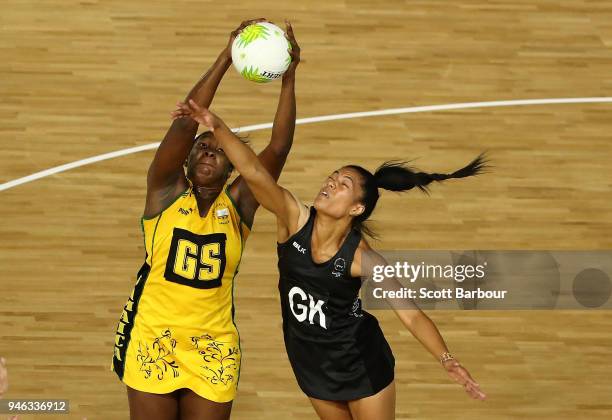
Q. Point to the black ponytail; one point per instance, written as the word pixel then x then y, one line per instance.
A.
pixel 399 176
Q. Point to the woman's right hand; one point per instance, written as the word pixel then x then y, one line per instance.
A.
pixel 227 51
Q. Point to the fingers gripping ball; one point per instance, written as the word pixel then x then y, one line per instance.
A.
pixel 259 52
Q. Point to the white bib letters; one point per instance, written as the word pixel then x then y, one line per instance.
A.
pixel 300 311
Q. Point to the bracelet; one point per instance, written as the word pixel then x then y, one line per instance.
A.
pixel 446 356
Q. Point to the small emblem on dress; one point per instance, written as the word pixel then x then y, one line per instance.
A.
pixel 339 267
pixel 356 309
pixel 222 214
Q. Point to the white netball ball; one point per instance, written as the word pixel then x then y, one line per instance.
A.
pixel 259 52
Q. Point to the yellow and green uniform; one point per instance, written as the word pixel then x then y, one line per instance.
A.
pixel 177 328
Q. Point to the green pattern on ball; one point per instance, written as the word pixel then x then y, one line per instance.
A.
pixel 251 33
pixel 253 75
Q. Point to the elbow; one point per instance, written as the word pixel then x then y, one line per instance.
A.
pixel 151 176
pixel 281 150
pixel 185 123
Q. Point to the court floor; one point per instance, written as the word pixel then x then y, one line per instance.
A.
pixel 84 78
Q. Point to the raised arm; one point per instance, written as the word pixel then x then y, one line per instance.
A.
pixel 288 210
pixel 166 178
pixel 415 320
pixel 274 155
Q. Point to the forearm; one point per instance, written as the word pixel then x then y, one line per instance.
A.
pixel 178 141
pixel 204 90
pixel 260 182
pixel 284 120
pixel 426 332
pixel 274 156
pixel 243 158
pixel 413 318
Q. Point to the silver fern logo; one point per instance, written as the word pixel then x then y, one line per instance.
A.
pixel 339 267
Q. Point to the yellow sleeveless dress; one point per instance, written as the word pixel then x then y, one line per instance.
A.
pixel 177 328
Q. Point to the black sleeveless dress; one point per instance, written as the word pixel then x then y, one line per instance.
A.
pixel 337 351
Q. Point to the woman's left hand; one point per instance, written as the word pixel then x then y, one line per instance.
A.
pixel 460 375
pixel 199 114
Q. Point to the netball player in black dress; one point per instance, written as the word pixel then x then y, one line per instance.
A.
pixel 337 351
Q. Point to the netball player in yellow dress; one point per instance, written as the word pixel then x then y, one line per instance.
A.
pixel 177 348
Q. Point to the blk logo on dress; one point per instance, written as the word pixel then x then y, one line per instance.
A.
pixel 299 247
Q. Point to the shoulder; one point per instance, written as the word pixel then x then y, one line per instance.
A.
pixel 302 210
pixel 297 216
pixel 162 200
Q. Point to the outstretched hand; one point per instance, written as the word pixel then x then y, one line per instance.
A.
pixel 199 114
pixel 228 49
pixel 460 375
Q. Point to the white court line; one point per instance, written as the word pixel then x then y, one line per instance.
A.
pixel 392 111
